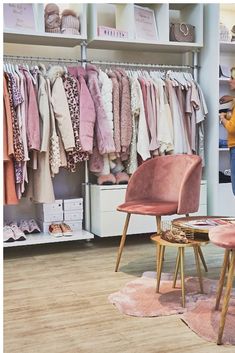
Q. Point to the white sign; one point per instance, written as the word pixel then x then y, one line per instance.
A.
pixel 145 24
pixel 19 17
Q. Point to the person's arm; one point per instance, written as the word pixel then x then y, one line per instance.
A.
pixel 226 99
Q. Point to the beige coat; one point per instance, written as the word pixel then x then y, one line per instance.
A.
pixel 41 187
pixel 61 108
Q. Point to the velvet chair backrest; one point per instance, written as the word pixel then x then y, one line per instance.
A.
pixel 173 178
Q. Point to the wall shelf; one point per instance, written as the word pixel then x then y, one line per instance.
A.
pixel 227 47
pixel 120 44
pixel 42 39
pixel 121 17
pixel 43 238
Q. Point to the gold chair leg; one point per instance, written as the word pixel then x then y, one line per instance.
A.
pixel 182 275
pixel 226 297
pixel 196 253
pixel 122 242
pixel 176 268
pixel 222 278
pixel 159 227
pixel 159 269
pixel 202 259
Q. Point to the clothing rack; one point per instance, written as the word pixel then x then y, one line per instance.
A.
pixel 151 66
pixel 40 58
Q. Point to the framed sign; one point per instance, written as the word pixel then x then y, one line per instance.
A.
pixel 19 17
pixel 145 24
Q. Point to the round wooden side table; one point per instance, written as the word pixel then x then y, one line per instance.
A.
pixel 201 231
pixel 161 244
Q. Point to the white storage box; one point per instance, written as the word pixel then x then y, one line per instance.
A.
pixel 74 225
pixel 50 217
pixel 73 204
pixel 46 208
pixel 76 215
pixel 44 226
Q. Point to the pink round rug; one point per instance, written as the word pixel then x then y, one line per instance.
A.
pixel 139 298
pixel 204 321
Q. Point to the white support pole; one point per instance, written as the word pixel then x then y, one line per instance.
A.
pixel 86 184
pixel 195 65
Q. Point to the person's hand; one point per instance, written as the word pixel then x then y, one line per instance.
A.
pixel 226 99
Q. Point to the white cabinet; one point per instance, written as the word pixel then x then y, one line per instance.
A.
pixel 106 221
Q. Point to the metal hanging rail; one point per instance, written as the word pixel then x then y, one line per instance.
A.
pixel 153 66
pixel 40 58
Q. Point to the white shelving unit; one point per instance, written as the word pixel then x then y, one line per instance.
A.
pixel 221 200
pixel 47 39
pixel 121 17
pixel 66 185
pixel 227 52
pixel 43 238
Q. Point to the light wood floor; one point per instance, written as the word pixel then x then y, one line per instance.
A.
pixel 55 300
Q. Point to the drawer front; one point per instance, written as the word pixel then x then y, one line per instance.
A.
pixel 112 223
pixel 110 199
pixel 202 211
pixel 203 195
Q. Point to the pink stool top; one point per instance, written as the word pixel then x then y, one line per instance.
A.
pixel 223 236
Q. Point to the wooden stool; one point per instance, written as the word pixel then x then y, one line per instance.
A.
pixel 224 236
pixel 161 244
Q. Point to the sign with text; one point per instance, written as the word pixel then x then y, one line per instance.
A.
pixel 19 17
pixel 145 24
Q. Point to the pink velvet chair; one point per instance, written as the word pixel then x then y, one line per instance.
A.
pixel 164 185
pixel 224 236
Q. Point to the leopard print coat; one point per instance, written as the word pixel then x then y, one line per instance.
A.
pixel 71 91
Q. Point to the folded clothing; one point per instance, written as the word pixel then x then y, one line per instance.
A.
pixel 223 178
pixel 223 143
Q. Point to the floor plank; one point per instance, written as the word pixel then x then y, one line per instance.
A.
pixel 55 299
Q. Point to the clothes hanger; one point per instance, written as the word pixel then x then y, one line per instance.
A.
pixel 16 67
pixel 180 79
pixel 28 70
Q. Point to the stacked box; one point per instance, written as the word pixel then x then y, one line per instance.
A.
pixel 48 213
pixel 73 213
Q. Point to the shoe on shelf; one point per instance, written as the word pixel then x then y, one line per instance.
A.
pixel 33 226
pixel 67 231
pixel 18 234
pixel 8 234
pixel 24 226
pixel 55 230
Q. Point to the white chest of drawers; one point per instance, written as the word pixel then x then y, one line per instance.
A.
pixel 106 221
